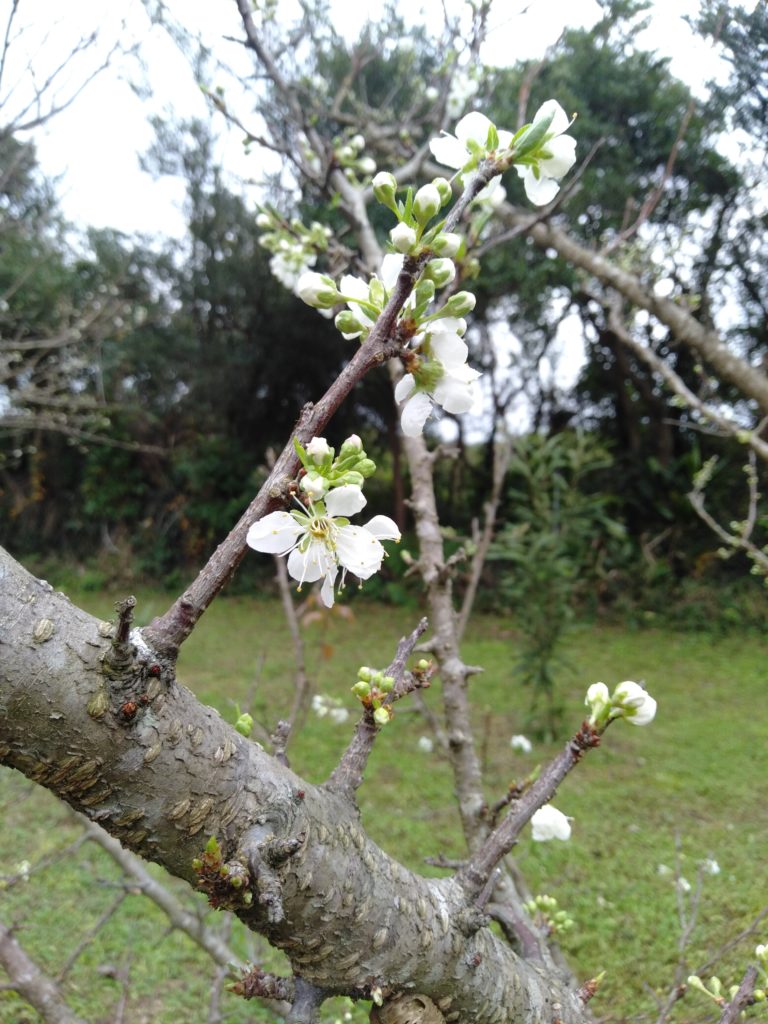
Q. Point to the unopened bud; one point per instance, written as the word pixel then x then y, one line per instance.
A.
pixel 317 290
pixel 403 238
pixel 365 673
pixel 447 244
pixel 387 683
pixel 361 689
pixel 367 467
pixel 442 272
pixel 459 304
pixel 347 322
pixel 244 724
pixel 384 187
pixel 352 444
pixel 426 203
pixel 444 189
pixel 381 716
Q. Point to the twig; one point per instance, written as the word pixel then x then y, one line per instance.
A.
pixel 743 997
pixel 348 774
pixel 31 983
pixel 474 875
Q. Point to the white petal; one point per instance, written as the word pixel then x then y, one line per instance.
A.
pixel 448 325
pixel 414 415
pixel 448 151
pixel 560 120
pixel 354 287
pixel 540 191
pixel 310 565
pixel 345 501
pixel 275 534
pixel 326 591
pixel 359 551
pixel 383 528
pixel 454 395
pixel 449 349
pixel 473 126
pixel 404 387
pixel 391 266
pixel 505 138
pixel 563 157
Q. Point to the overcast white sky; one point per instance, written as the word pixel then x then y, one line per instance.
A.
pixel 95 145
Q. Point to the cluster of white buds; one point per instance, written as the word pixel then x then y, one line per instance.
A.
pixel 294 247
pixel 324 706
pixel 347 153
pixel 629 700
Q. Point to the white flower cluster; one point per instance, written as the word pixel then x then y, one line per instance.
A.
pixel 295 248
pixel 328 706
pixel 521 744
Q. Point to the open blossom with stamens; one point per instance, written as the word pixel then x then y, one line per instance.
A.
pixel 320 540
pixel 442 377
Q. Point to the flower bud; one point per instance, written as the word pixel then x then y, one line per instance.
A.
pixel 444 189
pixel 381 716
pixel 357 142
pixel 423 293
pixel 447 244
pixel 387 683
pixel 426 203
pixel 353 477
pixel 634 703
pixel 377 293
pixel 385 187
pixel 597 700
pixel 317 290
pixel 442 272
pixel 347 323
pixel 314 486
pixel 402 237
pixel 361 689
pixel 365 673
pixel 352 444
pixel 459 304
pixel 367 165
pixel 318 449
pixel 422 665
pixel 366 467
pixel 263 220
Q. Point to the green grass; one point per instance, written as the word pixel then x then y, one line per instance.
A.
pixel 695 777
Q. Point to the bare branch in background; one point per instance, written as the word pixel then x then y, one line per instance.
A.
pixel 40 990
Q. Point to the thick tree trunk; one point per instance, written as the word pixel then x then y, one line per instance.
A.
pixel 111 732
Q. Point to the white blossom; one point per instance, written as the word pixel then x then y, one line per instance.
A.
pixel 321 540
pixel 710 866
pixel 549 823
pixel 317 290
pixel 444 377
pixel 425 744
pixel 469 142
pixel 558 154
pixel 634 703
pixel 521 743
pixel 683 884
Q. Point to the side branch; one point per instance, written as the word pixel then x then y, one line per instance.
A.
pixel 478 869
pixel 348 774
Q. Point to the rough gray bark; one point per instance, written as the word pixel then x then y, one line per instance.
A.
pixel 135 751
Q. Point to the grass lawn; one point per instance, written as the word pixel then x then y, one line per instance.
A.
pixel 689 788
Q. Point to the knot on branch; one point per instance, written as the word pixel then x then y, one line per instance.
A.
pixel 226 884
pixel 258 984
pixel 264 853
pixel 586 738
pixel 471 919
pixel 407 1009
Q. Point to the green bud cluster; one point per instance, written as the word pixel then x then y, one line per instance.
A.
pixel 546 907
pixel 243 722
pixel 371 690
pixel 351 466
